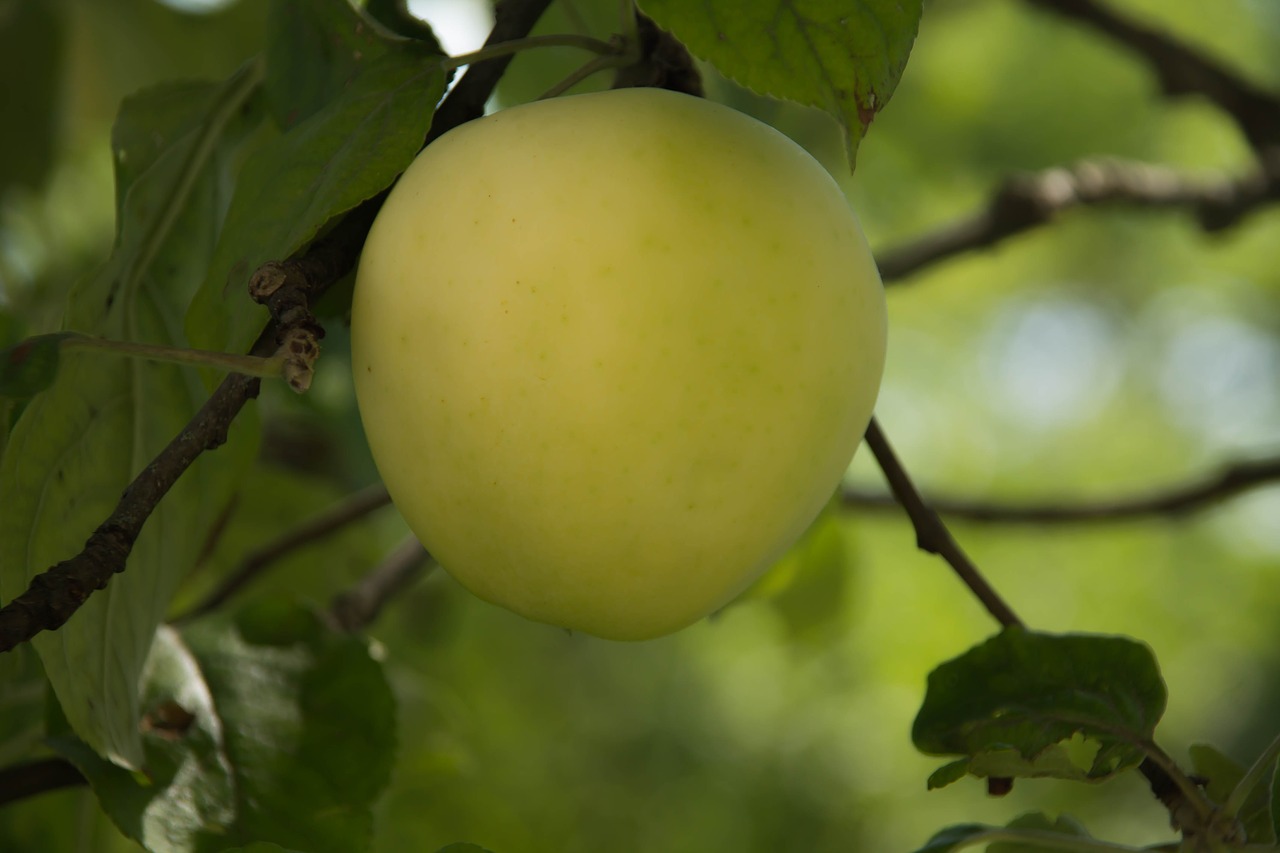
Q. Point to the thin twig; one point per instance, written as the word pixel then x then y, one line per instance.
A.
pixel 931 534
pixel 1030 200
pixel 1175 501
pixel 1181 69
pixel 350 509
pixel 286 288
pixel 934 537
pixel 512 19
pixel 356 608
pixel 493 51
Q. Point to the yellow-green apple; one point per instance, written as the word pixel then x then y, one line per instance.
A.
pixel 613 353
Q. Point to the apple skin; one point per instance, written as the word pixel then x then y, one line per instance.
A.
pixel 613 353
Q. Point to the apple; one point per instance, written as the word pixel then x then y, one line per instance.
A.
pixel 613 353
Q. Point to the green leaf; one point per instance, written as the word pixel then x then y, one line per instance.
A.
pixel 23 692
pixel 11 331
pixel 1223 775
pixel 396 17
pixel 32 39
pixel 807 587
pixel 952 836
pixel 1274 807
pixel 259 847
pixel 345 153
pixel 1030 833
pixel 1072 706
pixel 268 728
pixel 1040 822
pixel 462 847
pixel 78 445
pixel 842 56
pixel 316 48
pixel 952 771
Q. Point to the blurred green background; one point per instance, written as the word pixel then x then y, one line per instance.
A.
pixel 1109 353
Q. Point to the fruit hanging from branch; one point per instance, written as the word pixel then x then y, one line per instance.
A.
pixel 613 353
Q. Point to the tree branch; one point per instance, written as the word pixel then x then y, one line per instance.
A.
pixel 1033 199
pixel 287 288
pixel 1181 69
pixel 351 508
pixel 356 608
pixel 931 534
pixel 1173 502
pixel 56 594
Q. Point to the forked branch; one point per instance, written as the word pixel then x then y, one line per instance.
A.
pixel 1181 69
pixel 1027 201
pixel 1174 501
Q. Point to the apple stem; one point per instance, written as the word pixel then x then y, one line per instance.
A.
pixel 600 63
pixel 613 47
pixel 627 21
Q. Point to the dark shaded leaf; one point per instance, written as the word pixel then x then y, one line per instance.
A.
pixel 1069 706
pixel 23 692
pixel 317 48
pixel 395 16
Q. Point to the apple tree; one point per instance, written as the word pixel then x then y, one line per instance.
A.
pixel 1044 596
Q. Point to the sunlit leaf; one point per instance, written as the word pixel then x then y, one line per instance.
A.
pixel 267 728
pixel 842 56
pixel 343 154
pixel 78 445
pixel 1072 706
